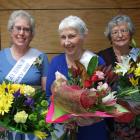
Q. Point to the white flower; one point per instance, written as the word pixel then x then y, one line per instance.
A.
pixel 138 65
pixel 110 99
pixel 20 117
pixel 124 66
pixel 28 90
pixel 93 89
pixel 59 75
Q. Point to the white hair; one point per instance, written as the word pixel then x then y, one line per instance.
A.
pixel 73 22
pixel 21 14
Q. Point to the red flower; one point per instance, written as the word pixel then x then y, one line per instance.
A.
pixel 75 72
pixel 87 83
pixel 94 78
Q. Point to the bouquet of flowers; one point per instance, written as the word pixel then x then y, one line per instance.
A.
pixel 23 109
pixel 86 94
pixel 129 86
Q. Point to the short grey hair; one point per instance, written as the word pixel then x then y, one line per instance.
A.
pixel 118 20
pixel 73 22
pixel 21 13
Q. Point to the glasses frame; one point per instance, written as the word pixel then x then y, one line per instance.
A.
pixel 122 31
pixel 18 29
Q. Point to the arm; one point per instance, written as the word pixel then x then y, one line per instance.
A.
pixel 43 83
pixel 44 69
pixel 58 63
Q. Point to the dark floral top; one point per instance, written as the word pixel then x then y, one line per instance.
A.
pixel 120 130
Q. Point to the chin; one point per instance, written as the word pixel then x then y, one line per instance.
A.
pixel 122 44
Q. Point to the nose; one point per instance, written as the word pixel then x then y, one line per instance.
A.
pixel 21 31
pixel 120 34
pixel 67 42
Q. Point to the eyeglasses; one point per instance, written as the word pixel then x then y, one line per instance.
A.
pixel 18 29
pixel 122 31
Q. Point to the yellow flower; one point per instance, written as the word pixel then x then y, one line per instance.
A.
pixel 133 81
pixel 44 112
pixel 40 135
pixel 15 87
pixel 28 90
pixel 6 101
pixel 20 117
pixel 6 98
pixel 137 72
pixel 6 88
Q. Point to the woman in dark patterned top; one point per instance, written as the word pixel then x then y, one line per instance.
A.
pixel 119 31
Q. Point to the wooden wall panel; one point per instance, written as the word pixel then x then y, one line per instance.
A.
pixel 68 4
pixel 48 15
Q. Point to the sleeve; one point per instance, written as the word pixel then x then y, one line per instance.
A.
pixel 45 65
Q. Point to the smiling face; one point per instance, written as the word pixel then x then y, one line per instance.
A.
pixel 71 41
pixel 21 33
pixel 120 36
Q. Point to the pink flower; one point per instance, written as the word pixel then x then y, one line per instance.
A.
pixel 100 75
pixel 102 86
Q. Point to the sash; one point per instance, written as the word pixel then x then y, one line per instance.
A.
pixel 86 57
pixel 19 70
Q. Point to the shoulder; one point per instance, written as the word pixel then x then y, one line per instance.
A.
pixel 5 51
pixel 105 51
pixel 58 58
pixel 135 50
pixel 87 56
pixel 100 59
pixel 41 54
pixel 134 53
pixel 36 50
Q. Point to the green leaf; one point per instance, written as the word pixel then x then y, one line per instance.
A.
pixel 133 43
pixel 92 65
pixel 58 112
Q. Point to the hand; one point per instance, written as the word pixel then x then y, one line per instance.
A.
pixel 58 83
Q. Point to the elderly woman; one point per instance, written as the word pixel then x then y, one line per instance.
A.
pixel 120 31
pixel 73 32
pixel 20 63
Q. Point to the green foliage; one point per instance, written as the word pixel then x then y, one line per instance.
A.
pixel 92 65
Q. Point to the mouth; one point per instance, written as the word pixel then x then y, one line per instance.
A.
pixel 70 48
pixel 21 39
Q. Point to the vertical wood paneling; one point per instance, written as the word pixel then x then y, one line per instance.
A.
pixel 48 14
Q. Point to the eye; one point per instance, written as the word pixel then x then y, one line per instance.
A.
pixel 72 36
pixel 124 30
pixel 17 28
pixel 63 37
pixel 114 32
pixel 26 29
